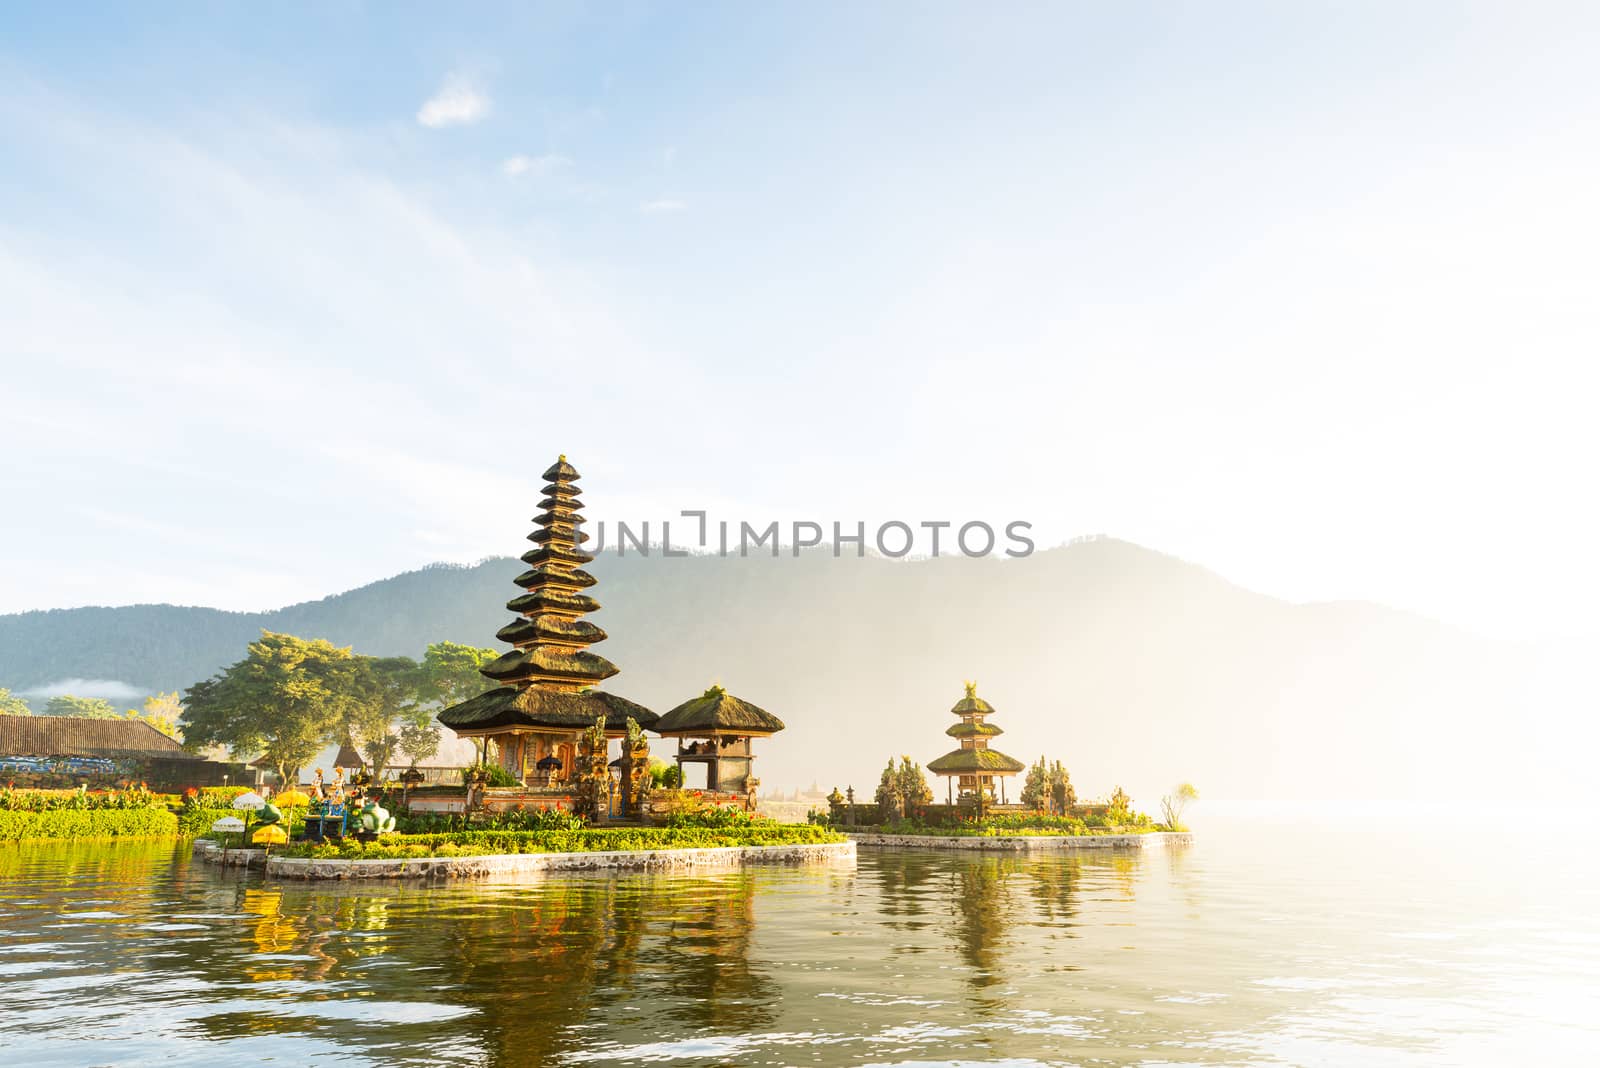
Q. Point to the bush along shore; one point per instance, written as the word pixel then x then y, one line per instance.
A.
pixel 45 814
pixel 1009 825
pixel 129 813
pixel 584 840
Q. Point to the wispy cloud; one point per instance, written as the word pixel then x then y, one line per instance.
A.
pixel 534 166
pixel 110 689
pixel 457 103
pixel 662 206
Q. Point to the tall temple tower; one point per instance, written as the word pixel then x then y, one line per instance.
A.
pixel 974 768
pixel 546 699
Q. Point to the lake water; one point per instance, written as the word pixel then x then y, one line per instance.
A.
pixel 1296 941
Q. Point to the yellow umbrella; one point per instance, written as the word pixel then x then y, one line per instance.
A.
pixel 291 799
pixel 271 834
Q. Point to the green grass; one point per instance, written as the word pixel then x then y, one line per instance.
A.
pixel 589 840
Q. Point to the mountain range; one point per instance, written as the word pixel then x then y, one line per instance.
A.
pixel 1131 666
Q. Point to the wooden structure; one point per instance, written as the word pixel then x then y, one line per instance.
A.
pixel 975 769
pixel 70 751
pixel 716 729
pixel 534 721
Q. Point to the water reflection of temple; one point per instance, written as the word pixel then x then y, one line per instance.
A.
pixel 540 969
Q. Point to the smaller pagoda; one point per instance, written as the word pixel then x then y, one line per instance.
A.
pixel 974 769
pixel 715 729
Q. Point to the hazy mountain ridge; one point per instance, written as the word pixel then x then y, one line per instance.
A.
pixel 1133 666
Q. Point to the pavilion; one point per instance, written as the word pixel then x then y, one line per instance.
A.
pixel 534 720
pixel 974 769
pixel 721 726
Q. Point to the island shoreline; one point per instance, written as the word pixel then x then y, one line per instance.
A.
pixel 485 866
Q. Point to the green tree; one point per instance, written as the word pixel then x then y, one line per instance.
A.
pixel 161 711
pixel 1121 803
pixel 419 740
pixel 11 705
pixel 90 707
pixel 449 673
pixel 911 785
pixel 286 699
pixel 1173 804
pixel 385 715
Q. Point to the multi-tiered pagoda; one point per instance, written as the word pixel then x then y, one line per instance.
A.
pixel 546 699
pixel 974 769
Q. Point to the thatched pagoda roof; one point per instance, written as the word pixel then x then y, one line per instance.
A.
pixel 546 554
pixel 970 729
pixel 716 710
pixel 548 599
pixel 83 736
pixel 975 762
pixel 972 704
pixel 557 628
pixel 348 757
pixel 560 471
pixel 544 576
pixel 566 663
pixel 506 706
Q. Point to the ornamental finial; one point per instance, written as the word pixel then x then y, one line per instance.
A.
pixel 972 689
pixel 561 459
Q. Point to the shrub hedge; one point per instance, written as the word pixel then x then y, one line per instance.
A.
pixel 588 840
pixel 16 825
pixel 194 821
pixel 75 800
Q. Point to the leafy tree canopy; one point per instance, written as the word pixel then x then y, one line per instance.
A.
pixel 92 707
pixel 11 705
pixel 161 711
pixel 287 698
pixel 449 672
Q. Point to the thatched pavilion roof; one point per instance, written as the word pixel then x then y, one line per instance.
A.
pixel 506 706
pixel 716 710
pixel 975 762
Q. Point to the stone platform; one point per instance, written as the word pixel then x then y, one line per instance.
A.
pixel 1021 843
pixel 516 864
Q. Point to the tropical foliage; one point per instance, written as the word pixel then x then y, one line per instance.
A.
pixel 12 705
pixel 479 843
pixel 77 800
pixel 291 696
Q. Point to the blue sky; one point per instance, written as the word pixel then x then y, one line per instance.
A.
pixel 1300 292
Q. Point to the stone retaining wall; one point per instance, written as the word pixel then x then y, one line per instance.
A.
pixel 1021 843
pixel 513 864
